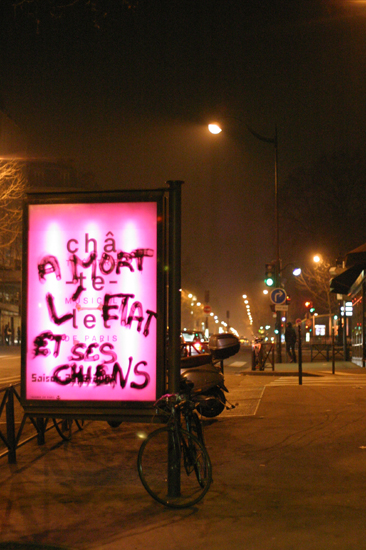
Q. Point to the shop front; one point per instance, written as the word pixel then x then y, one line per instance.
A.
pixel 350 285
pixel 10 324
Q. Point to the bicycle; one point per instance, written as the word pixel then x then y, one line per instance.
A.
pixel 173 463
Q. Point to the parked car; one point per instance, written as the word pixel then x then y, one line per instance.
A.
pixel 194 342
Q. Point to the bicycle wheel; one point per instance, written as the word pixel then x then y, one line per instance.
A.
pixel 193 425
pixel 194 467
pixel 65 427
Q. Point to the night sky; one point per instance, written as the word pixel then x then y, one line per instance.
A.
pixel 128 94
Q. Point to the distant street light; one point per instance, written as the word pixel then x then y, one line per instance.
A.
pixel 296 270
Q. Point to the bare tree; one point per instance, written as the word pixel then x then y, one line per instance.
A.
pixel 12 189
pixel 314 282
pixel 324 204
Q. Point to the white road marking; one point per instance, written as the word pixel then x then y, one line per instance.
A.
pixel 237 364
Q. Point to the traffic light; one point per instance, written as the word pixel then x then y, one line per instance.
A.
pixel 308 325
pixel 310 306
pixel 270 275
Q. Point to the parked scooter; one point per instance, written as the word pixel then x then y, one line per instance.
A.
pixel 206 373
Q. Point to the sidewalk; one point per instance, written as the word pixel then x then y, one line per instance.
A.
pixel 291 476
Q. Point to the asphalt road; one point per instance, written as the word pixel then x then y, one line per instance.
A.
pixel 9 365
pixel 241 362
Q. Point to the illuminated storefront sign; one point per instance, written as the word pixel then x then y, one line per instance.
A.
pixel 320 330
pixel 348 308
pixel 91 302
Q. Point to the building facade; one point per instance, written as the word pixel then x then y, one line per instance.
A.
pixel 351 285
pixel 25 174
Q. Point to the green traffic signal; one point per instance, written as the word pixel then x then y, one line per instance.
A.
pixel 269 278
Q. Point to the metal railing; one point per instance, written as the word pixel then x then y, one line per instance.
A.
pixel 16 420
pixel 9 402
pixel 263 356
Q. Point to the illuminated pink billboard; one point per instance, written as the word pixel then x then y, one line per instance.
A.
pixel 91 304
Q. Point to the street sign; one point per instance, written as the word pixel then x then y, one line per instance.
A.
pixel 281 307
pixel 207 309
pixel 298 322
pixel 278 296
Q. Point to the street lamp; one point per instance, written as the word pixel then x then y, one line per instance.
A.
pixel 215 128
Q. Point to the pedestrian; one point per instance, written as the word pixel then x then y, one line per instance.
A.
pixel 290 338
pixel 8 334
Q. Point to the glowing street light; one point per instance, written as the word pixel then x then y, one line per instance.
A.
pixel 214 128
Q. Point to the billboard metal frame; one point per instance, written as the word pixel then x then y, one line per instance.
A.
pixel 168 305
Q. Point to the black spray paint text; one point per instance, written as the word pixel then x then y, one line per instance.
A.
pixel 71 373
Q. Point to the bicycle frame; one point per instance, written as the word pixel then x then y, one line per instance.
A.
pixel 180 475
pixel 184 408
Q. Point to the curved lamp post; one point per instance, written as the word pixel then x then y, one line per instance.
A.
pixel 215 128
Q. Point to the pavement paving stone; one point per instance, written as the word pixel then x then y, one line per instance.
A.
pixel 290 476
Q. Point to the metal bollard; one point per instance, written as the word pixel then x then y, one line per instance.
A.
pixel 40 422
pixel 300 356
pixel 253 358
pixel 10 427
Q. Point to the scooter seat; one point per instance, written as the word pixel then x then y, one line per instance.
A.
pixel 195 360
